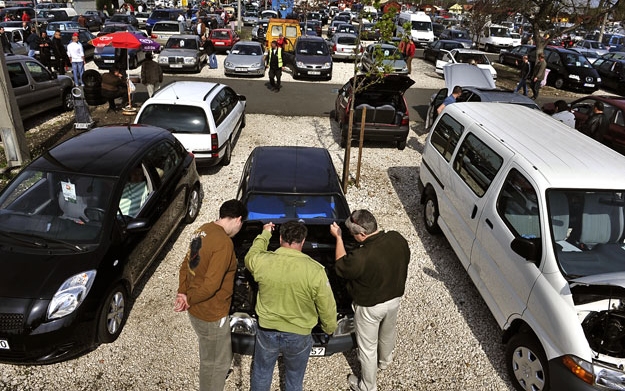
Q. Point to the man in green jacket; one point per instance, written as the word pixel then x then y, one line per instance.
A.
pixel 293 295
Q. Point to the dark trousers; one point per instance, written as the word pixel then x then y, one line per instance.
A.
pixel 535 88
pixel 112 95
pixel 277 74
pixel 59 66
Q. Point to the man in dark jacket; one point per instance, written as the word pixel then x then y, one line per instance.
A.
pixel 376 275
pixel 33 43
pixel 596 126
pixel 538 74
pixel 525 74
pixel 151 74
pixel 114 86
pixel 60 53
pixel 6 45
pixel 44 50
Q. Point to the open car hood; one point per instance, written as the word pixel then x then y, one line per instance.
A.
pixel 467 75
pixel 399 83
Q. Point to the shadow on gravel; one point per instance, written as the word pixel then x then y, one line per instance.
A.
pixel 449 271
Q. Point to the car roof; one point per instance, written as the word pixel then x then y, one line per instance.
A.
pixel 292 169
pixel 185 92
pixel 540 148
pixel 617 101
pixel 105 151
pixel 310 38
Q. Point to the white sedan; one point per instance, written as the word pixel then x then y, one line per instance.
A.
pixel 468 56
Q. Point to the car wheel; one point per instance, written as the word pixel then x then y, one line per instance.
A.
pixel 112 314
pixel 68 100
pixel 401 145
pixel 227 155
pixel 558 83
pixel 430 213
pixel 488 48
pixel 193 205
pixel 526 363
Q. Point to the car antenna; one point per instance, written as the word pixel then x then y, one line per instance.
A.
pixel 130 131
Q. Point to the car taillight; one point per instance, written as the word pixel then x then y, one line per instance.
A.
pixel 214 145
pixel 334 48
pixel 405 120
pixel 153 36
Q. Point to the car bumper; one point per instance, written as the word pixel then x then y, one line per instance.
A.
pixel 380 132
pixel 344 56
pixel 104 63
pixel 48 342
pixel 311 72
pixel 244 71
pixel 563 379
pixel 177 66
pixel 322 345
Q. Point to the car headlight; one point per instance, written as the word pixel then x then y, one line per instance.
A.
pixel 608 377
pixel 71 294
pixel 163 60
pixel 574 77
pixel 257 65
pixel 299 64
pixel 326 65
pixel 190 60
pixel 97 56
pixel 598 80
pixel 345 326
pixel 242 323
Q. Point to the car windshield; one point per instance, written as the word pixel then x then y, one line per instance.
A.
pixel 588 230
pixel 597 45
pixel 56 207
pixel 181 43
pixel 499 32
pixel 479 58
pixel 389 53
pixel 175 118
pixel 246 50
pixel 290 206
pixel 118 18
pixel 422 26
pixel 459 34
pixel 313 48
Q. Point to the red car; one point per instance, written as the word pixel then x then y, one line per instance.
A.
pixel 614 109
pixel 224 39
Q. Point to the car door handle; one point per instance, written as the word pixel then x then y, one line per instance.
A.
pixel 490 225
pixel 474 212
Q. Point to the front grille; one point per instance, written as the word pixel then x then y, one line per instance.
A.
pixel 11 322
pixel 176 60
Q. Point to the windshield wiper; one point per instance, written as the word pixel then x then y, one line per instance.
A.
pixel 71 246
pixel 40 241
pixel 18 237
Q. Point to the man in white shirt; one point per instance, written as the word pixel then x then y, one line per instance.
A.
pixel 77 57
pixel 563 114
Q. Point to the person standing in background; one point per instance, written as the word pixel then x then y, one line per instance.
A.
pixel 45 50
pixel 151 74
pixel 407 48
pixel 538 75
pixel 76 56
pixel 60 53
pixel 525 74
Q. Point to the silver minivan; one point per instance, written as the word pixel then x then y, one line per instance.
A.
pixel 37 89
pixel 535 212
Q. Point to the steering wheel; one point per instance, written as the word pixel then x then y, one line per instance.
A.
pixel 95 214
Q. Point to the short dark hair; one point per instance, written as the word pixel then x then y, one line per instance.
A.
pixel 361 222
pixel 599 105
pixel 457 90
pixel 561 105
pixel 232 209
pixel 148 56
pixel 293 232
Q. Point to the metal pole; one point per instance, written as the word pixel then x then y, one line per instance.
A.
pixel 11 126
pixel 360 142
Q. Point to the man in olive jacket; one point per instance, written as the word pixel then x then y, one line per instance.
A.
pixel 151 74
pixel 376 277
pixel 293 295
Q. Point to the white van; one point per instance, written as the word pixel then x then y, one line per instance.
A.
pixel 422 32
pixel 535 211
pixel 494 37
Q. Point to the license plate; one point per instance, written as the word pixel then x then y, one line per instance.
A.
pixel 219 43
pixel 589 85
pixel 314 73
pixel 175 65
pixel 240 69
pixel 4 344
pixel 318 351
pixel 109 61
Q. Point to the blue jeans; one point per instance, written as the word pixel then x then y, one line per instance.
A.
pixel 77 69
pixel 522 84
pixel 295 349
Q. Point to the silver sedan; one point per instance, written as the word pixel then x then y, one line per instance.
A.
pixel 245 58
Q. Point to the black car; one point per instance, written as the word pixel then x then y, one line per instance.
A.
pixel 79 227
pixel 312 58
pixel 432 52
pixel 612 72
pixel 92 21
pixel 123 18
pixel 386 110
pixel 514 56
pixel 369 32
pixel 569 69
pixel 280 184
pixel 459 35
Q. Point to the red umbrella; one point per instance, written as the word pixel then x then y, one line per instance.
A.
pixel 126 40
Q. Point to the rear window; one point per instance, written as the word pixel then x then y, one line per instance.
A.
pixel 160 15
pixel 347 40
pixel 175 118
pixel 302 206
pixel 166 27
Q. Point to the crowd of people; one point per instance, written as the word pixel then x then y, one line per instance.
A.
pixel 294 295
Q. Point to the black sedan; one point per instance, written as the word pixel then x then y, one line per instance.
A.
pixel 280 184
pixel 432 52
pixel 514 56
pixel 79 227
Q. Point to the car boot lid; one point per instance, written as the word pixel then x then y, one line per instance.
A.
pixel 391 82
pixel 467 75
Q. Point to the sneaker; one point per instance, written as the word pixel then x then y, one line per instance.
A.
pixel 382 366
pixel 353 382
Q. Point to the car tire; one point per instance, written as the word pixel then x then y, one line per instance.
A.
pixel 401 145
pixel 488 48
pixel 558 82
pixel 526 362
pixel 68 100
pixel 227 155
pixel 92 78
pixel 430 212
pixel 194 202
pixel 113 313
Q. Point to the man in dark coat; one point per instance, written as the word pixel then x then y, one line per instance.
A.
pixel 114 86
pixel 45 50
pixel 6 45
pixel 597 125
pixel 60 53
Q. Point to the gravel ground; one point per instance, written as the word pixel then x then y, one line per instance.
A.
pixel 447 338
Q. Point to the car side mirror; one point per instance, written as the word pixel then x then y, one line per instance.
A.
pixel 242 98
pixel 530 249
pixel 138 225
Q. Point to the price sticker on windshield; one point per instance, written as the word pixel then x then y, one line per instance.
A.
pixel 4 344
